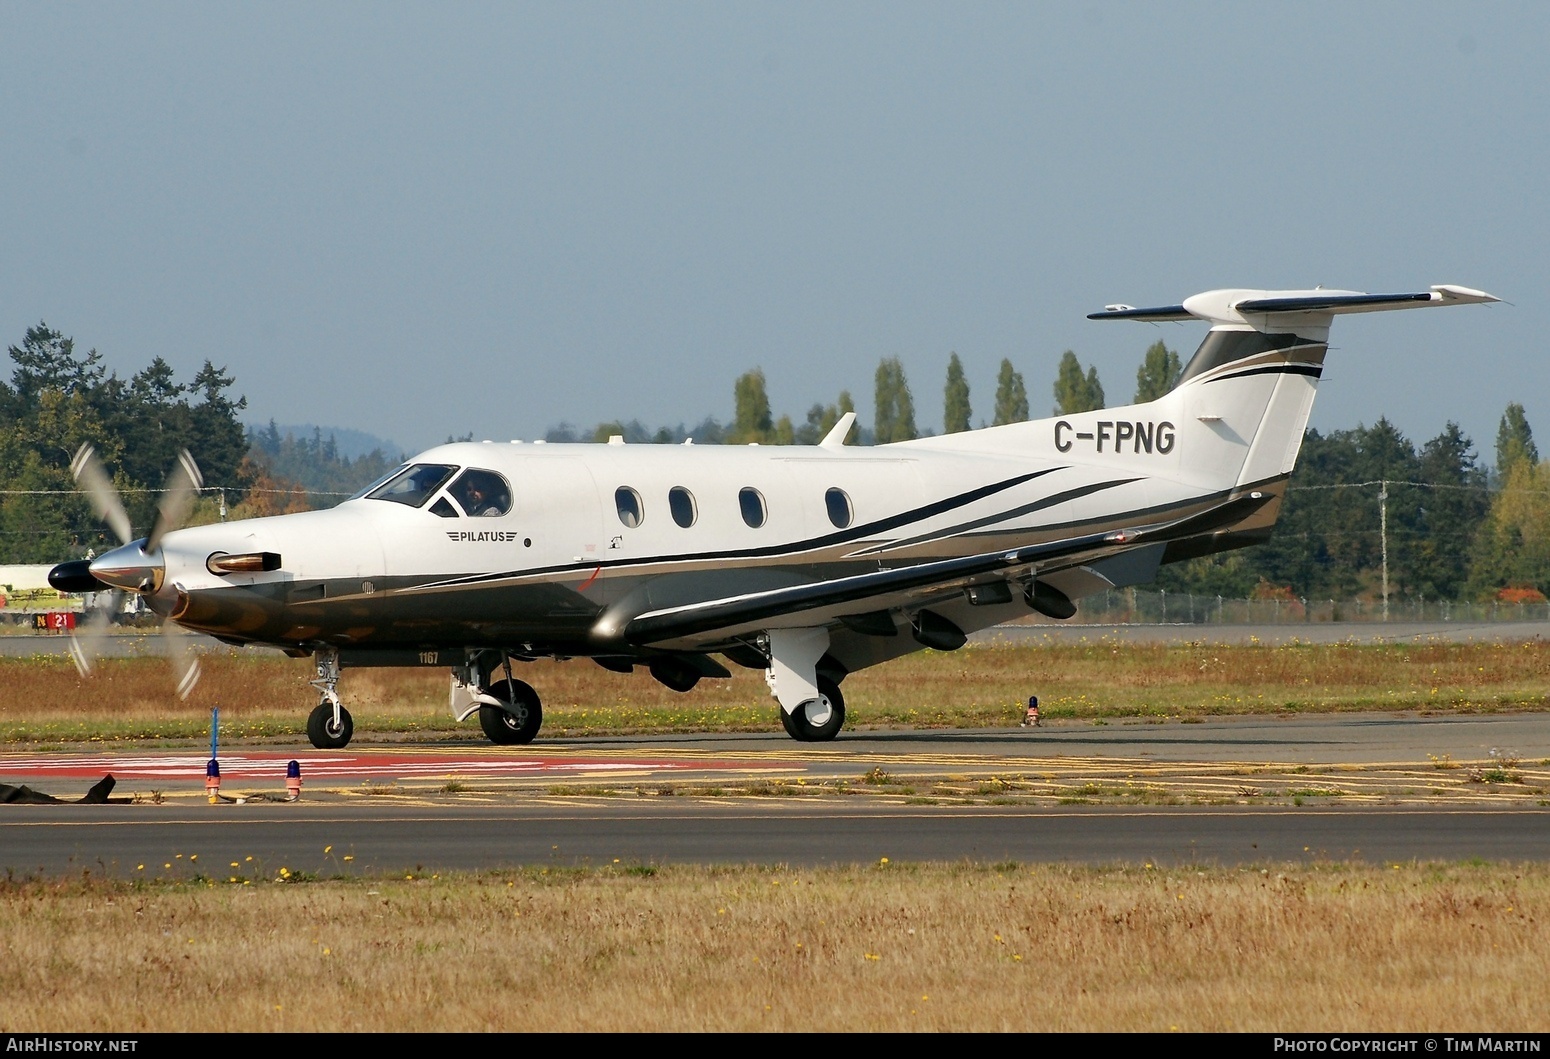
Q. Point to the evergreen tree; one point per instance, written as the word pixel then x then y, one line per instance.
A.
pixel 1075 392
pixel 1011 396
pixel 751 421
pixel 1159 372
pixel 58 400
pixel 895 408
pixel 1514 441
pixel 955 412
pixel 1451 514
pixel 46 360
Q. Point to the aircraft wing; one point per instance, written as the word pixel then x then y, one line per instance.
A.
pixel 734 612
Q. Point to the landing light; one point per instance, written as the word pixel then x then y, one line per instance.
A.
pixel 246 563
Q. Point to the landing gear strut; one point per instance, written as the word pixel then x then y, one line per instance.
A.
pixel 329 725
pixel 811 707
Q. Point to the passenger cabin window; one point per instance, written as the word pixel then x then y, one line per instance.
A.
pixel 840 512
pixel 413 485
pixel 681 503
pixel 480 493
pixel 627 502
pixel 752 503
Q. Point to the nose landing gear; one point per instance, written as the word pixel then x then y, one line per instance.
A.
pixel 329 726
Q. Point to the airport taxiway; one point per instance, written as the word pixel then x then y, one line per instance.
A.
pixel 1232 790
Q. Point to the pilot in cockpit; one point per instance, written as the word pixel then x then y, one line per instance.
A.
pixel 475 501
pixel 481 493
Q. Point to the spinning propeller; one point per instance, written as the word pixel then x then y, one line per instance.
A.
pixel 135 566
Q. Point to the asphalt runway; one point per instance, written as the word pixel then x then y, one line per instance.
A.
pixel 216 842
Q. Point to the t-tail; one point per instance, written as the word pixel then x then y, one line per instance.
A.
pixel 1246 394
pixel 1232 424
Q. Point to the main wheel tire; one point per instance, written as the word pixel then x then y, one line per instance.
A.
pixel 789 722
pixel 818 720
pixel 521 722
pixel 326 735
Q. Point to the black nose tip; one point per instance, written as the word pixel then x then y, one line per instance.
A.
pixel 74 576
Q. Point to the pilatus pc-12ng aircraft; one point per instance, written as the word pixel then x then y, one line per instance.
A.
pixel 808 562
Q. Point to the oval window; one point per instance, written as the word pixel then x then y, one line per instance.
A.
pixel 681 503
pixel 627 502
pixel 840 512
pixel 752 503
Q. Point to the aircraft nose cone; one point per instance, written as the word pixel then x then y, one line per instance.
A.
pixel 129 568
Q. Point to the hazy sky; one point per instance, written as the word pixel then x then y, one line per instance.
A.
pixel 431 219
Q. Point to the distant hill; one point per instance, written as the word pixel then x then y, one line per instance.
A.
pixel 327 463
pixel 349 444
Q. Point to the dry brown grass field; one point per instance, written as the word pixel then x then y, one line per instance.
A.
pixel 886 947
pixel 263 694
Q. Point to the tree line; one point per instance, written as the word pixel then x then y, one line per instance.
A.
pixel 1452 527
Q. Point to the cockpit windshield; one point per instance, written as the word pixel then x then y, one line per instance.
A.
pixel 367 491
pixel 414 484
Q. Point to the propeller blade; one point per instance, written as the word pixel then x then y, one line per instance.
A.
pixel 177 500
pixel 86 642
pixel 184 659
pixel 90 476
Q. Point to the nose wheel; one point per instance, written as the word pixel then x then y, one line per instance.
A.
pixel 329 725
pixel 327 732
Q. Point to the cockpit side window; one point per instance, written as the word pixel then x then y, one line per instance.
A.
pixel 481 492
pixel 413 485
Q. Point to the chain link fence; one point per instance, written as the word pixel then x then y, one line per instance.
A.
pixel 1133 606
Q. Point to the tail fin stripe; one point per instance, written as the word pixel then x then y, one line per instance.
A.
pixel 1311 370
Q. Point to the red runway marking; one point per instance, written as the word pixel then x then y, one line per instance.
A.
pixel 328 765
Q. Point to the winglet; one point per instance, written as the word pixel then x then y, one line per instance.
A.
pixel 835 439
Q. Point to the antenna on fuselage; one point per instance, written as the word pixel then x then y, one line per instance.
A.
pixel 835 438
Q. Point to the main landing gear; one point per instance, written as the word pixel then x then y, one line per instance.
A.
pixel 816 720
pixel 519 716
pixel 509 710
pixel 811 707
pixel 329 725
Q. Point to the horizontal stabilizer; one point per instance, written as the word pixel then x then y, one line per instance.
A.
pixel 1329 303
pixel 1130 312
pixel 719 614
pixel 1238 306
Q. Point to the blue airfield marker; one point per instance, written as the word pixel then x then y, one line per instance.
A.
pixel 213 769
